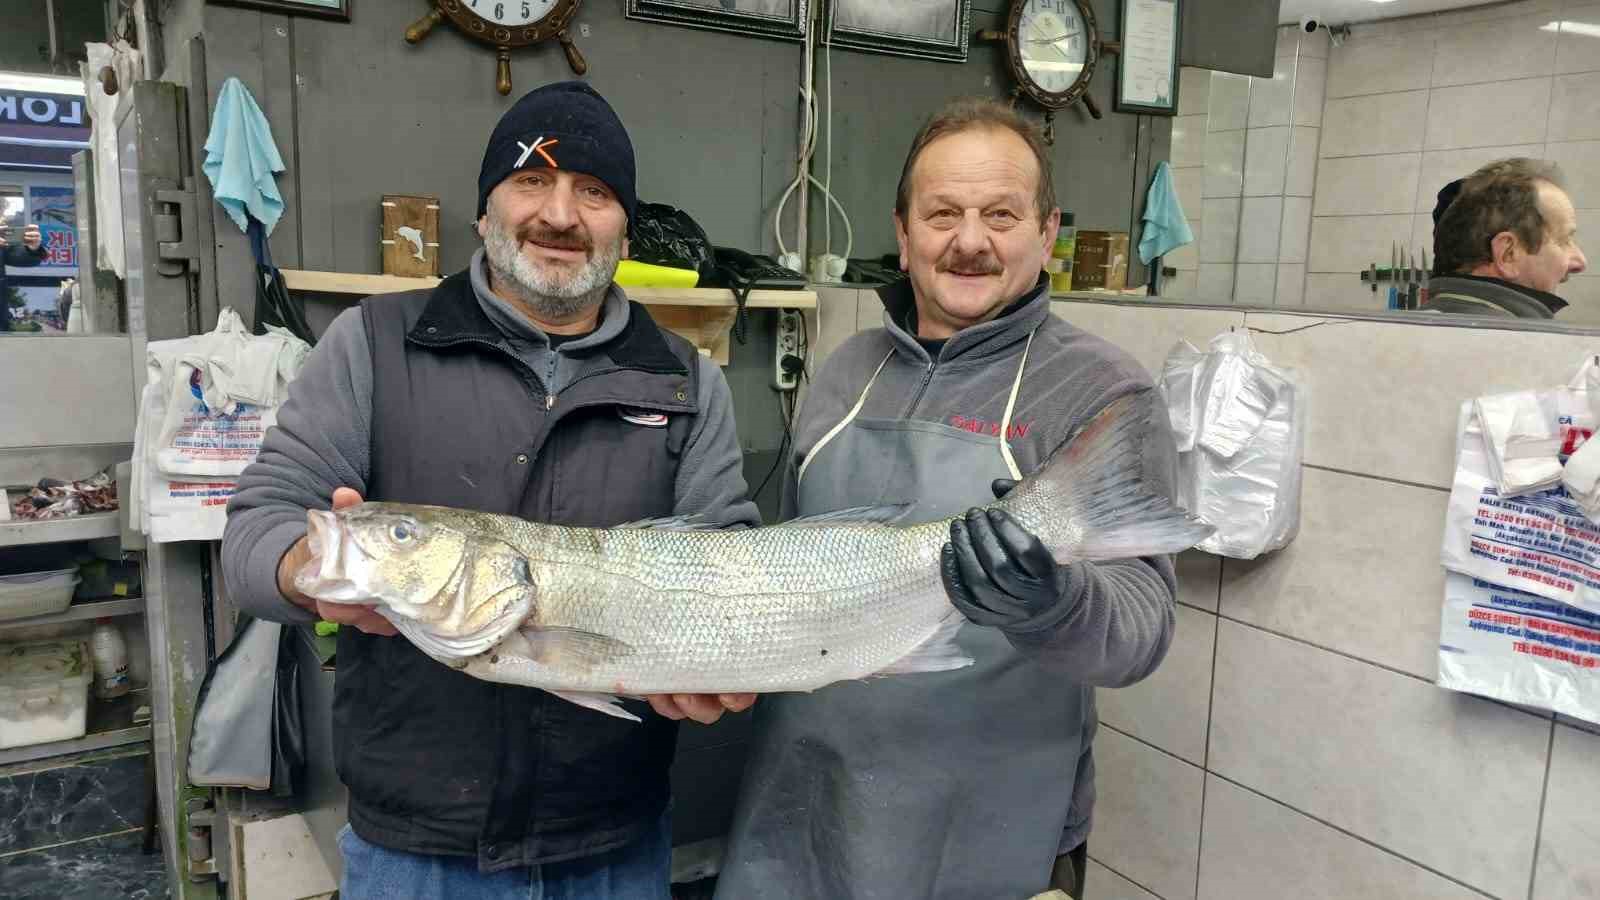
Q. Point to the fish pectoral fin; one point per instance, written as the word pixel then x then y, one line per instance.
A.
pixel 610 704
pixel 696 522
pixel 574 648
pixel 855 515
pixel 938 653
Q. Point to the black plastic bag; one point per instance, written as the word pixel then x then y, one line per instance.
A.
pixel 288 728
pixel 664 235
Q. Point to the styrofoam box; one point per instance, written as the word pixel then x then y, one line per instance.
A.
pixel 44 691
pixel 36 593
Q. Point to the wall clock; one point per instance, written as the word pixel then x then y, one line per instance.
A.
pixel 1052 46
pixel 505 25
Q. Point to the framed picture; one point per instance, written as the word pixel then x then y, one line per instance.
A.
pixel 930 29
pixel 782 19
pixel 1147 67
pixel 338 10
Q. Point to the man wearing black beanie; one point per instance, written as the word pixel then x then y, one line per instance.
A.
pixel 526 385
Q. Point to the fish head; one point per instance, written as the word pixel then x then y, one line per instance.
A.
pixel 453 591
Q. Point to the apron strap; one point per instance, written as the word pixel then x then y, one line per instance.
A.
pixel 844 422
pixel 1011 404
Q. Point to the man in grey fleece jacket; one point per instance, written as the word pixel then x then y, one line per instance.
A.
pixel 976 782
pixel 527 385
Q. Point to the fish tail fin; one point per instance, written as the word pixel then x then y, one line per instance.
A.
pixel 939 652
pixel 1091 501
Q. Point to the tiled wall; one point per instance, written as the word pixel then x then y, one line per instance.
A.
pixel 1292 744
pixel 1415 103
pixel 1244 153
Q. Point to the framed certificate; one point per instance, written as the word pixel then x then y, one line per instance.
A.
pixel 1147 67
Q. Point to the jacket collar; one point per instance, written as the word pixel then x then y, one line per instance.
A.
pixel 973 344
pixel 455 315
pixel 1513 298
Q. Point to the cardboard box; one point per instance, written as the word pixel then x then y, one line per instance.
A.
pixel 1101 261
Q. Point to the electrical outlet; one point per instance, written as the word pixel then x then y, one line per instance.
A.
pixel 791 343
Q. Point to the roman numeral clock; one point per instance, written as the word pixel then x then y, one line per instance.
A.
pixel 505 25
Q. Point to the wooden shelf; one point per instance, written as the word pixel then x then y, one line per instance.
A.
pixel 702 316
pixel 110 724
pixel 19 532
pixel 80 612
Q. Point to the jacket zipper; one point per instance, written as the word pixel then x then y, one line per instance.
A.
pixel 916 400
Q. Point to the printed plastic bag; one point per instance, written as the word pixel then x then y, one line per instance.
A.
pixel 1239 422
pixel 1541 543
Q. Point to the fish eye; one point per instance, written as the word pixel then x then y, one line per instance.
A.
pixel 402 532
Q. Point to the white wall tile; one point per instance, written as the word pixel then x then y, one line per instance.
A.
pixel 1215 284
pixel 1224 163
pixel 1255 849
pixel 1339 291
pixel 1496 51
pixel 1575 108
pixel 1578 46
pixel 1189 183
pixel 1410 378
pixel 1296 232
pixel 1315 45
pixel 1148 338
pixel 1187 256
pixel 1266 160
pixel 1188 141
pixel 1303 148
pixel 1582 292
pixel 1228 103
pixel 1103 884
pixel 1380 123
pixel 1291 285
pixel 1171 707
pixel 1260 225
pixel 1478 115
pixel 1147 814
pixel 1310 83
pixel 1199 574
pixel 1387 608
pixel 1422 236
pixel 1380 65
pixel 1499 12
pixel 1580 162
pixel 1367 185
pixel 1194 91
pixel 1255 284
pixel 1183 286
pixel 1352 243
pixel 1440 167
pixel 1272 99
pixel 1569 868
pixel 1288 38
pixel 1219 230
pixel 1385 756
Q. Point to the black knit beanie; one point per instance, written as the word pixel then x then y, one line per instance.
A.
pixel 566 125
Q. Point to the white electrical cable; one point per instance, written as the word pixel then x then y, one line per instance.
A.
pixel 803 174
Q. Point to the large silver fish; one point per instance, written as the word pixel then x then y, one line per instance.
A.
pixel 592 615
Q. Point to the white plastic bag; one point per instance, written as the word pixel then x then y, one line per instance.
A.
pixel 1512 646
pixel 207 403
pixel 1540 543
pixel 1239 422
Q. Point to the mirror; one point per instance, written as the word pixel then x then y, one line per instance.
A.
pixel 1296 185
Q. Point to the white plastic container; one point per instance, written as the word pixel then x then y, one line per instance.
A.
pixel 36 593
pixel 110 654
pixel 44 691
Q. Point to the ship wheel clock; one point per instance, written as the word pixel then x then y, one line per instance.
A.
pixel 1052 46
pixel 505 25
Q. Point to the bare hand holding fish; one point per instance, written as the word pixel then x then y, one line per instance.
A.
pixel 672 607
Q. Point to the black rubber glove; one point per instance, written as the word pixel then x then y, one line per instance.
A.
pixel 995 572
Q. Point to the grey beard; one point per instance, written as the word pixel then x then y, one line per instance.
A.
pixel 550 298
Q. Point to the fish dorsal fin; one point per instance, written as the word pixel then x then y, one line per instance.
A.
pixel 696 522
pixel 854 515
pixel 574 648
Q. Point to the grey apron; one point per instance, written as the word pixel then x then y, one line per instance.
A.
pixel 950 785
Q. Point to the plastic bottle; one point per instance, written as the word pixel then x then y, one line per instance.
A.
pixel 1061 255
pixel 110 653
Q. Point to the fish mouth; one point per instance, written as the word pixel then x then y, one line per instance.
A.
pixel 325 574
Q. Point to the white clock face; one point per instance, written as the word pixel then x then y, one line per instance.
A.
pixel 511 13
pixel 1054 42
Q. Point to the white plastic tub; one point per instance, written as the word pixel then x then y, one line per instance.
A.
pixel 36 593
pixel 44 691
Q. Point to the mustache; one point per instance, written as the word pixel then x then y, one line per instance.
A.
pixel 570 239
pixel 970 265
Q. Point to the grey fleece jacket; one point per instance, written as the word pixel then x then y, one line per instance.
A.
pixel 323 436
pixel 1117 618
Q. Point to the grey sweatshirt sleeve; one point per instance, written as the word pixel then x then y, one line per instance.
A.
pixel 1115 620
pixel 711 477
pixel 322 441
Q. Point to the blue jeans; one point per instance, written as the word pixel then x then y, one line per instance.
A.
pixel 640 871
